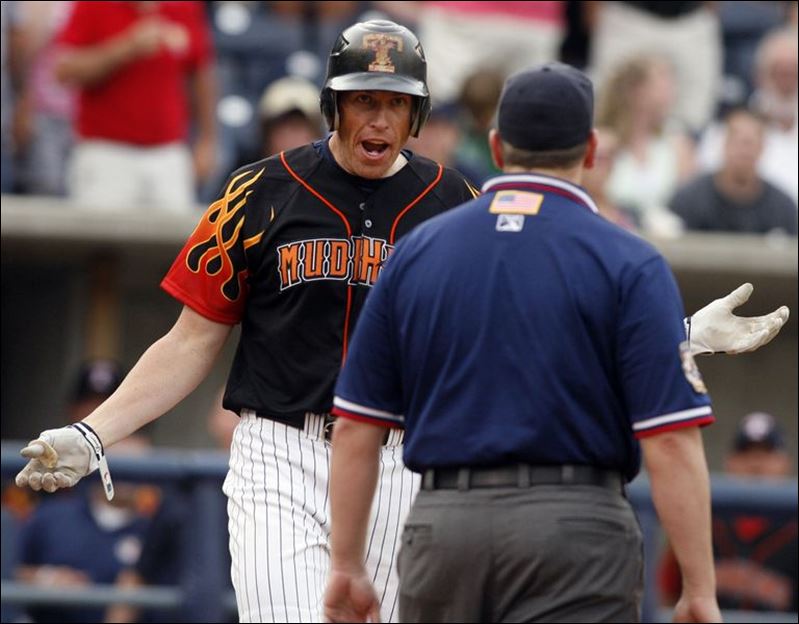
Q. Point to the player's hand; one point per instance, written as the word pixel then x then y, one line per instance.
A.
pixel 350 597
pixel 697 609
pixel 715 329
pixel 59 458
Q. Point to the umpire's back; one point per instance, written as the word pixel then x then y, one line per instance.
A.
pixel 519 311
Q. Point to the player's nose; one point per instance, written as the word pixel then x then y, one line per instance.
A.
pixel 379 119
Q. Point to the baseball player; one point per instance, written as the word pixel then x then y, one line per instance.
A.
pixel 523 343
pixel 289 251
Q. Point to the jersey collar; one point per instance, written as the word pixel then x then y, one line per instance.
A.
pixel 538 182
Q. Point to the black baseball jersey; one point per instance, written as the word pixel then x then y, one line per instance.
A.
pixel 290 250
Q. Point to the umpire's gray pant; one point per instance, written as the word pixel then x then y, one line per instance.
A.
pixel 536 554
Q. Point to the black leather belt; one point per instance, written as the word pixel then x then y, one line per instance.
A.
pixel 325 429
pixel 331 420
pixel 521 475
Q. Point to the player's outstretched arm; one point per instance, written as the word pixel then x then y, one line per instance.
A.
pixel 715 329
pixel 168 371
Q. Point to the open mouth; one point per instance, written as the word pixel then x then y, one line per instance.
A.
pixel 374 149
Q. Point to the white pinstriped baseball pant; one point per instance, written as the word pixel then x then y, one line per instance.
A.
pixel 279 520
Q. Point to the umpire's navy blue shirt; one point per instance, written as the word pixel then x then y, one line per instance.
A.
pixel 523 327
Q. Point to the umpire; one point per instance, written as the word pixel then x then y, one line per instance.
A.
pixel 531 350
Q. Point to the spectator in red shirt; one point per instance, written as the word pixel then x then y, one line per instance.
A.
pixel 132 62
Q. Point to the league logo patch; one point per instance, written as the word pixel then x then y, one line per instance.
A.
pixel 690 369
pixel 380 44
pixel 510 223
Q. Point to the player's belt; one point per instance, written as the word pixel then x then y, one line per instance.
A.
pixel 320 425
pixel 520 475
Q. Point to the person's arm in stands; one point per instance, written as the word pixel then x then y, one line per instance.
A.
pixel 203 86
pixel 87 66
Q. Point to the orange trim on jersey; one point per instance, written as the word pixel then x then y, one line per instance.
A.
pixel 413 203
pixel 327 203
pixel 315 193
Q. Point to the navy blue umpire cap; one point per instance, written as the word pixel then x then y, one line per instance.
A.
pixel 547 107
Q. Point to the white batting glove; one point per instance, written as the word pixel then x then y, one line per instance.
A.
pixel 59 458
pixel 715 329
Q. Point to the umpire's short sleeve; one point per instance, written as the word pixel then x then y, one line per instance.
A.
pixel 662 387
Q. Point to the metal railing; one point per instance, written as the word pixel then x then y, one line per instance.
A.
pixel 204 592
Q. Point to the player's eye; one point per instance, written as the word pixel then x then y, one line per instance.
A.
pixel 400 102
pixel 363 98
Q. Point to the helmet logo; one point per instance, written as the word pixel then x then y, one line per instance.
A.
pixel 380 44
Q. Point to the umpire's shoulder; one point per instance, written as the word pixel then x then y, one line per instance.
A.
pixel 449 185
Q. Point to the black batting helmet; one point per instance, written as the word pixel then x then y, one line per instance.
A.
pixel 377 55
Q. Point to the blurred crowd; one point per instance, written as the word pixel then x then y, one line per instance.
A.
pixel 149 105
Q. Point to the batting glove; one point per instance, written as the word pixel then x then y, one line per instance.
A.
pixel 715 329
pixel 59 458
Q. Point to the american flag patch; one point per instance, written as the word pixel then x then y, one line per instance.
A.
pixel 516 202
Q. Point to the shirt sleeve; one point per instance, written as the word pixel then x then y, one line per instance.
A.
pixel 79 27
pixel 210 275
pixel 663 388
pixel 201 42
pixel 369 387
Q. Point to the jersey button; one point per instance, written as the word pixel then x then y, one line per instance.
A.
pixel 368 223
pixel 362 205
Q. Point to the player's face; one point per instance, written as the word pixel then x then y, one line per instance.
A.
pixel 373 127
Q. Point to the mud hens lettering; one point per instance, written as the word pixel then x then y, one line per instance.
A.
pixel 357 260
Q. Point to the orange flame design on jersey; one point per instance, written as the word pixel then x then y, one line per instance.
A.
pixel 218 232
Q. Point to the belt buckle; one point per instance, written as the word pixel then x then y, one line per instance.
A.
pixel 329 421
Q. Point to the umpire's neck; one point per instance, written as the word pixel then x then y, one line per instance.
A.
pixel 567 164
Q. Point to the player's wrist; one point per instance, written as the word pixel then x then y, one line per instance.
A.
pixel 347 565
pixel 97 458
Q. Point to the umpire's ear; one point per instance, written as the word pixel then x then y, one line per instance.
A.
pixel 495 143
pixel 590 150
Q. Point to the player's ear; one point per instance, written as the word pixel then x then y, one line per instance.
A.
pixel 495 143
pixel 590 152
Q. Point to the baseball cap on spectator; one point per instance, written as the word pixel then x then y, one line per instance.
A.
pixel 548 107
pixel 760 430
pixel 97 379
pixel 290 94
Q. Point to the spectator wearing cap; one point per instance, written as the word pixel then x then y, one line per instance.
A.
pixel 290 115
pixel 96 381
pixel 479 340
pixel 754 552
pixel 759 449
